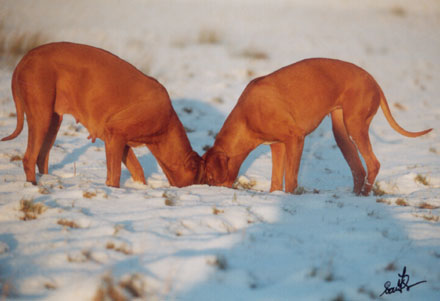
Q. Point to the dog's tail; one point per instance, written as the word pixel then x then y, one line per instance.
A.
pixel 18 107
pixel 393 123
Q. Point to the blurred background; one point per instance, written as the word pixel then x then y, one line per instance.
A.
pixel 206 51
pixel 235 40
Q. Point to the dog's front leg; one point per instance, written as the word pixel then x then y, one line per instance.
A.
pixel 114 149
pixel 133 165
pixel 294 147
pixel 278 161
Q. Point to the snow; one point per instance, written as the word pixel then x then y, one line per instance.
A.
pixel 86 241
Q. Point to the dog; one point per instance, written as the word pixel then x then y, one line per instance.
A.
pixel 283 107
pixel 113 100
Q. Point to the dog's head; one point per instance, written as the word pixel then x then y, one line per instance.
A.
pixel 188 173
pixel 215 165
pixel 194 168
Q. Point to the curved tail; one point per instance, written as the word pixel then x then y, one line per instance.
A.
pixel 393 123
pixel 18 107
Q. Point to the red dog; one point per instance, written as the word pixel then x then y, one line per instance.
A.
pixel 281 108
pixel 111 98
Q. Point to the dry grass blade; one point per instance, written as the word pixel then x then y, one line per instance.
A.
pixel 429 217
pixel 108 291
pixel 67 223
pixel 128 289
pixel 170 198
pixel 254 54
pixel 121 248
pixel 219 261
pixel 217 211
pixel 89 194
pixel 14 158
pixel 391 267
pixel 300 190
pixel 401 202
pixel 244 183
pixel 134 285
pixel 425 205
pixel 421 179
pixel 383 201
pixel 207 36
pixel 377 190
pixel 30 209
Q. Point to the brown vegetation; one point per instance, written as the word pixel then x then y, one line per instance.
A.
pixel 209 36
pixel 131 288
pixel 13 45
pixel 67 223
pixel 377 190
pixel 89 194
pixel 425 205
pixel 121 248
pixel 401 202
pixel 254 54
pixel 30 209
pixel 421 179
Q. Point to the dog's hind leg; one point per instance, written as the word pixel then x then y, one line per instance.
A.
pixel 133 165
pixel 349 150
pixel 362 140
pixel 37 130
pixel 49 140
pixel 358 130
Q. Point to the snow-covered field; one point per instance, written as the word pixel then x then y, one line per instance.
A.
pixel 73 238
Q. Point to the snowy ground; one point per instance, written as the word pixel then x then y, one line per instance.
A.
pixel 73 238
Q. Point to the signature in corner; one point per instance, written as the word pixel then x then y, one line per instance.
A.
pixel 402 284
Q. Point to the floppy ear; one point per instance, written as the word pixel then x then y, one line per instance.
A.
pixel 217 165
pixel 195 164
pixel 192 162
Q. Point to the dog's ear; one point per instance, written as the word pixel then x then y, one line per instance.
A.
pixel 195 164
pixel 192 161
pixel 217 168
pixel 204 156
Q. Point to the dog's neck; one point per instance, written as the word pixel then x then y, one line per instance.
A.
pixel 172 152
pixel 236 143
